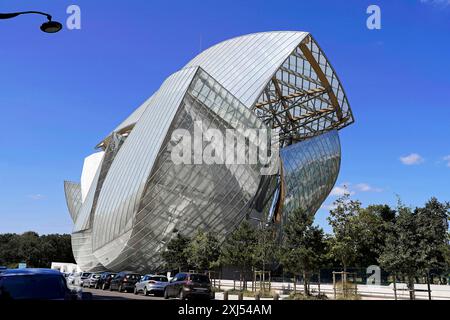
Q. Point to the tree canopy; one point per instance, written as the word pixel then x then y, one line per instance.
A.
pixel 36 251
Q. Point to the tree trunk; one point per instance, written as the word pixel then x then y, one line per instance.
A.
pixel 412 295
pixel 318 279
pixel 295 284
pixel 305 284
pixel 395 286
pixel 428 286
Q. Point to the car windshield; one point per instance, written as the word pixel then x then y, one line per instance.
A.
pixel 112 275
pixel 95 276
pixel 36 287
pixel 133 276
pixel 159 278
pixel 199 278
pixel 86 274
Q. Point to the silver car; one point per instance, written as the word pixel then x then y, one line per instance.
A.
pixel 80 277
pixel 151 284
pixel 91 281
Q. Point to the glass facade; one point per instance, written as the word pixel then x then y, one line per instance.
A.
pixel 140 198
pixel 310 171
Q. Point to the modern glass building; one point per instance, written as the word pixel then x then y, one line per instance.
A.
pixel 133 198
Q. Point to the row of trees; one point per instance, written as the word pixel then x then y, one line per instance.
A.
pixel 405 242
pixel 36 251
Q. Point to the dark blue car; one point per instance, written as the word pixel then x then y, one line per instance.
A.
pixel 35 284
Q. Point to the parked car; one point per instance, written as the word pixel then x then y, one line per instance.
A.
pixel 151 284
pixel 3 269
pixel 37 284
pixel 124 281
pixel 71 278
pixel 105 280
pixel 80 277
pixel 91 281
pixel 189 285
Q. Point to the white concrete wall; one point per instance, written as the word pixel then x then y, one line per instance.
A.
pixel 65 267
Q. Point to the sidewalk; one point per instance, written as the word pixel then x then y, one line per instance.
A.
pixel 367 292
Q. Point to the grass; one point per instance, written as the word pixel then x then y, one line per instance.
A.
pixel 349 289
pixel 252 294
pixel 301 296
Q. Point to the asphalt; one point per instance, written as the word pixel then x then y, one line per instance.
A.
pixel 98 294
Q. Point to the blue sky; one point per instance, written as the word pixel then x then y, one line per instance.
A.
pixel 61 94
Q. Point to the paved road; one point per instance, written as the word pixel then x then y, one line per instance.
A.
pixel 98 294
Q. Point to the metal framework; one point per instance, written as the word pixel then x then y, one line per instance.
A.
pixel 304 98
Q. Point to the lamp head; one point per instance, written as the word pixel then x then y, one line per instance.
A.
pixel 51 26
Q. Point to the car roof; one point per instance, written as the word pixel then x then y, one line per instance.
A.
pixel 30 271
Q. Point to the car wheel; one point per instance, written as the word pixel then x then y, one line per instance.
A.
pixel 135 291
pixel 166 294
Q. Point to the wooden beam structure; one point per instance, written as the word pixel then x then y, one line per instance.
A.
pixel 323 78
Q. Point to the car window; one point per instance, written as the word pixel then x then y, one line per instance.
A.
pixel 96 276
pixel 181 277
pixel 133 276
pixel 37 287
pixel 199 278
pixel 159 278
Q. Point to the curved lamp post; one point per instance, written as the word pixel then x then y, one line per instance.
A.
pixel 48 27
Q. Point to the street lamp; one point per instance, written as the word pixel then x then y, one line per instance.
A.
pixel 48 27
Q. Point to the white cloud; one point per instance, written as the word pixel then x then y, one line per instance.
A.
pixel 340 191
pixel 36 196
pixel 447 159
pixel 412 159
pixel 364 187
pixel 442 3
pixel 436 2
pixel 328 206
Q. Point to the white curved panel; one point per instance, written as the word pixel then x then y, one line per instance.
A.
pixel 135 116
pixel 90 167
pixel 129 171
pixel 244 65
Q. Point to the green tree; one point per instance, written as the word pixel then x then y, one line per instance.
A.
pixel 416 241
pixel 203 251
pixel 433 227
pixel 267 248
pixel 343 220
pixel 371 225
pixel 175 255
pixel 29 248
pixel 36 251
pixel 239 249
pixel 8 252
pixel 304 246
